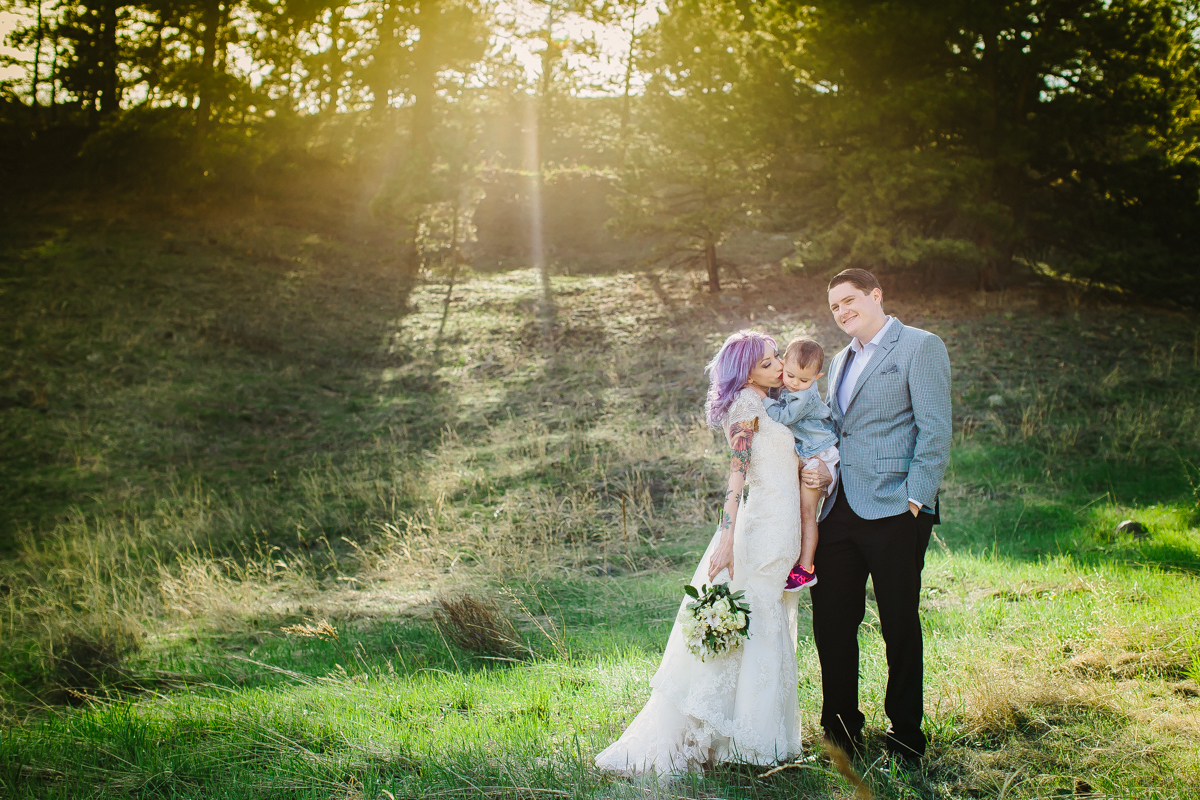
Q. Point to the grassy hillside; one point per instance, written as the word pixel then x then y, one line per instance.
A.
pixel 218 435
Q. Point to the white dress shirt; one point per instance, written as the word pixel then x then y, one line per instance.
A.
pixel 862 356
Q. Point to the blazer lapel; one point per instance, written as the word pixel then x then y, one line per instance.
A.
pixel 877 358
pixel 835 383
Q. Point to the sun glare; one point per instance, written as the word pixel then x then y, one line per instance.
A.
pixel 8 22
pixel 602 72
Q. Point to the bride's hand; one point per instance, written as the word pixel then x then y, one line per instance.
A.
pixel 722 558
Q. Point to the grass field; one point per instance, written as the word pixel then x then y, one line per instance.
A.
pixel 215 431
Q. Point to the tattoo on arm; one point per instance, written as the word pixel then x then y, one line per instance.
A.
pixel 732 499
pixel 741 434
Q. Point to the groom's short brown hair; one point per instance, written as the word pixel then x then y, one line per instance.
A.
pixel 860 278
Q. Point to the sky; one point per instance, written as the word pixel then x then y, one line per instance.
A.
pixel 612 43
pixel 8 21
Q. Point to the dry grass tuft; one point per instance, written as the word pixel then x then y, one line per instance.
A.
pixel 318 630
pixel 1124 666
pixel 1089 665
pixel 87 656
pixel 1150 664
pixel 841 762
pixel 480 627
pixel 1001 705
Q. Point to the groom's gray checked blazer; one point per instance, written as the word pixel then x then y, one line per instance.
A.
pixel 894 437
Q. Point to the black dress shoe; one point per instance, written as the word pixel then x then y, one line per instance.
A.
pixel 910 755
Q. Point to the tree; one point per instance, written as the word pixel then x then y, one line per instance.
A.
pixel 962 135
pixel 699 166
pixel 91 72
pixel 628 11
pixel 212 17
pixel 448 36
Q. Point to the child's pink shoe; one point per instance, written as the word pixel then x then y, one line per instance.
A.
pixel 799 578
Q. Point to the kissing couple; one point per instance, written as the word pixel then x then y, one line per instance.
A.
pixel 875 450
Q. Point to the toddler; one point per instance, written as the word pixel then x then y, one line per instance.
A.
pixel 799 407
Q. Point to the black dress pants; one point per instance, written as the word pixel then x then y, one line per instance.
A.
pixel 892 551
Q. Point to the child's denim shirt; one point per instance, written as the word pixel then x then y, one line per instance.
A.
pixel 806 417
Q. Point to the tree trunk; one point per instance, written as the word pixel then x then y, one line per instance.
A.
pixel 714 274
pixel 222 24
pixel 212 17
pixel 425 63
pixel 1002 267
pixel 420 151
pixel 54 79
pixel 153 76
pixel 110 100
pixel 453 274
pixel 37 55
pixel 333 75
pixel 629 64
pixel 385 57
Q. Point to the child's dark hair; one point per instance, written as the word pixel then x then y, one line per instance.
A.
pixel 804 353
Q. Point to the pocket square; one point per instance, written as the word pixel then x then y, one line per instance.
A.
pixel 888 370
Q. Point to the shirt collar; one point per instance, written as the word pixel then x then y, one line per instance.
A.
pixel 857 346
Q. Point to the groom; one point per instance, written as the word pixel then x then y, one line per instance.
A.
pixel 889 391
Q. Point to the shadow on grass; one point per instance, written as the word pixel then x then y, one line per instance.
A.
pixel 995 506
pixel 138 357
pixel 271 657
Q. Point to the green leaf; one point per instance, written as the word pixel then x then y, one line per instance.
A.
pixel 690 591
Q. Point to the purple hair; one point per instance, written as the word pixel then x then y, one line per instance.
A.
pixel 729 370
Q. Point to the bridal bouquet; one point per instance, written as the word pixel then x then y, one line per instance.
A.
pixel 716 620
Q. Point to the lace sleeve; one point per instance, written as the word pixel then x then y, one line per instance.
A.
pixel 746 407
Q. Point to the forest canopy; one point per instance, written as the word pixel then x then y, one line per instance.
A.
pixel 964 141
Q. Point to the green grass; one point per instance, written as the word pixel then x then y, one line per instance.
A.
pixel 302 446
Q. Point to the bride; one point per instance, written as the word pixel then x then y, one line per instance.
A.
pixel 741 706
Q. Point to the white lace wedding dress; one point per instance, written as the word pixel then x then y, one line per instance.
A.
pixel 741 706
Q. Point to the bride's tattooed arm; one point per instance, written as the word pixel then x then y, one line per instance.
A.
pixel 741 435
